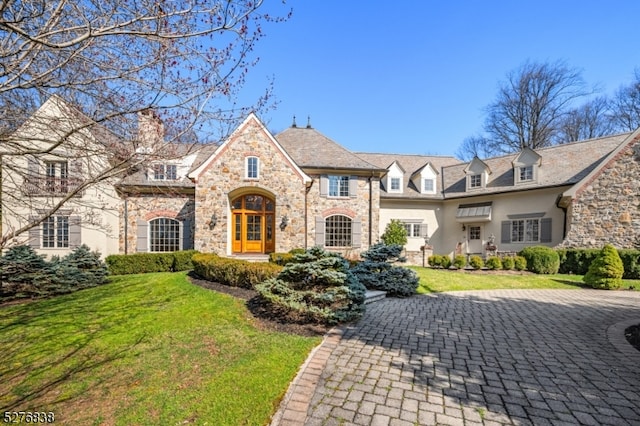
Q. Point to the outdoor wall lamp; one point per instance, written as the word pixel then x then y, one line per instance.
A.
pixel 284 223
pixel 464 228
pixel 214 221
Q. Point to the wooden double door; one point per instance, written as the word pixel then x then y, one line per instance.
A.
pixel 253 224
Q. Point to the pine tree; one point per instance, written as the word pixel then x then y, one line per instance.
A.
pixel 378 271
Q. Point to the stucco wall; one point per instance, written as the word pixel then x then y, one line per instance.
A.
pixel 607 209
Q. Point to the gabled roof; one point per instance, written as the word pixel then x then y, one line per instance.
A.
pixel 560 165
pixel 251 119
pixel 596 171
pixel 477 164
pixel 311 149
pixel 411 164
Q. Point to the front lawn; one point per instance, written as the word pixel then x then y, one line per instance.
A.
pixel 145 349
pixel 434 280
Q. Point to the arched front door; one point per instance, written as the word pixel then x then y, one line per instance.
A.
pixel 253 224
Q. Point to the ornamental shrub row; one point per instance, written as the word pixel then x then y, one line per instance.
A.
pixel 141 263
pixel 518 263
pixel 233 272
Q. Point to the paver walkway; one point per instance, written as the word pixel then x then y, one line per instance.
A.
pixel 542 357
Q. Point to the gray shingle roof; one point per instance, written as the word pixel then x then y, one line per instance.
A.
pixel 560 165
pixel 311 149
pixel 410 164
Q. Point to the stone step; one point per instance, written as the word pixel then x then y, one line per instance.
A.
pixel 251 257
pixel 372 296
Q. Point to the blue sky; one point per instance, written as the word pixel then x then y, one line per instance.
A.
pixel 414 76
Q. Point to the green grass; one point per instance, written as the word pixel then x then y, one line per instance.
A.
pixel 145 349
pixel 435 281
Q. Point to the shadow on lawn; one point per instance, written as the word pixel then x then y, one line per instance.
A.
pixel 49 344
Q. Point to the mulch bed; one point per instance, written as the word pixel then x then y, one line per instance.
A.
pixel 265 316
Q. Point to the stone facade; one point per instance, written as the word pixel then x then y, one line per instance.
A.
pixel 224 178
pixel 356 207
pixel 147 207
pixel 607 209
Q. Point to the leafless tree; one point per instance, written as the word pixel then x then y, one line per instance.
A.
pixel 530 105
pixel 110 60
pixel 625 105
pixel 473 146
pixel 590 120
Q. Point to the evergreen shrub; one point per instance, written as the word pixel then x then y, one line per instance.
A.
pixel 26 274
pixel 541 259
pixel 576 261
pixel 233 272
pixel 142 263
pixel 316 287
pixel 519 263
pixel 508 263
pixel 606 270
pixel 284 258
pixel 460 261
pixel 493 263
pixel 435 261
pixel 377 271
pixel 631 262
pixel 476 262
pixel 445 262
pixel 394 233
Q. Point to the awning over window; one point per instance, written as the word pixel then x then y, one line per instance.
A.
pixel 479 212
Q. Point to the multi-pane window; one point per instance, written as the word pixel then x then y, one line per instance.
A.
pixel 338 186
pixel 525 230
pixel 164 235
pixel 526 173
pixel 252 168
pixel 427 185
pixel 165 172
pixel 55 232
pixel 338 231
pixel 57 176
pixel 475 181
pixel 413 229
pixel 474 233
pixel 395 184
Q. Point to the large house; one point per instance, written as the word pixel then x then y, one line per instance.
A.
pixel 257 193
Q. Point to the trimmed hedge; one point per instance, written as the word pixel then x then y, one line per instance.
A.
pixel 460 261
pixel 493 263
pixel 577 261
pixel 476 262
pixel 541 259
pixel 284 258
pixel 233 272
pixel 142 263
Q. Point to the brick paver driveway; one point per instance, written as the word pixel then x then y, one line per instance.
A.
pixel 484 357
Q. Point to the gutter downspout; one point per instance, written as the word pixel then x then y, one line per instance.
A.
pixel 564 221
pixel 370 208
pixel 306 215
pixel 126 225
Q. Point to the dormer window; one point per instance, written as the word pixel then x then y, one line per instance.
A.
pixel 428 186
pixel 252 168
pixel 165 172
pixel 475 181
pixel 526 166
pixel 395 184
pixel 526 173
